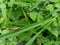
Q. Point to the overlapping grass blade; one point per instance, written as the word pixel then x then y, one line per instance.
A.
pixel 33 38
pixel 15 33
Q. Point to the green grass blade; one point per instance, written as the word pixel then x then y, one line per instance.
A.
pixel 24 29
pixel 4 14
pixel 32 39
pixel 20 3
pixel 25 16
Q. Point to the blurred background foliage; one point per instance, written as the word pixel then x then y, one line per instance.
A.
pixel 30 22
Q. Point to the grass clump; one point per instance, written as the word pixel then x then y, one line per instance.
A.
pixel 29 22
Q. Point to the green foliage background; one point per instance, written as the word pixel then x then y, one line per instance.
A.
pixel 34 22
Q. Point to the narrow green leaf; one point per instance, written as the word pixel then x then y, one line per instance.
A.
pixel 4 14
pixel 33 38
pixel 24 29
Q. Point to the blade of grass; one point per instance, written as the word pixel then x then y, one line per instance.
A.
pixel 24 29
pixel 4 14
pixel 32 39
pixel 20 3
pixel 25 16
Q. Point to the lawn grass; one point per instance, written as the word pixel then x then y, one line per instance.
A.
pixel 30 22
